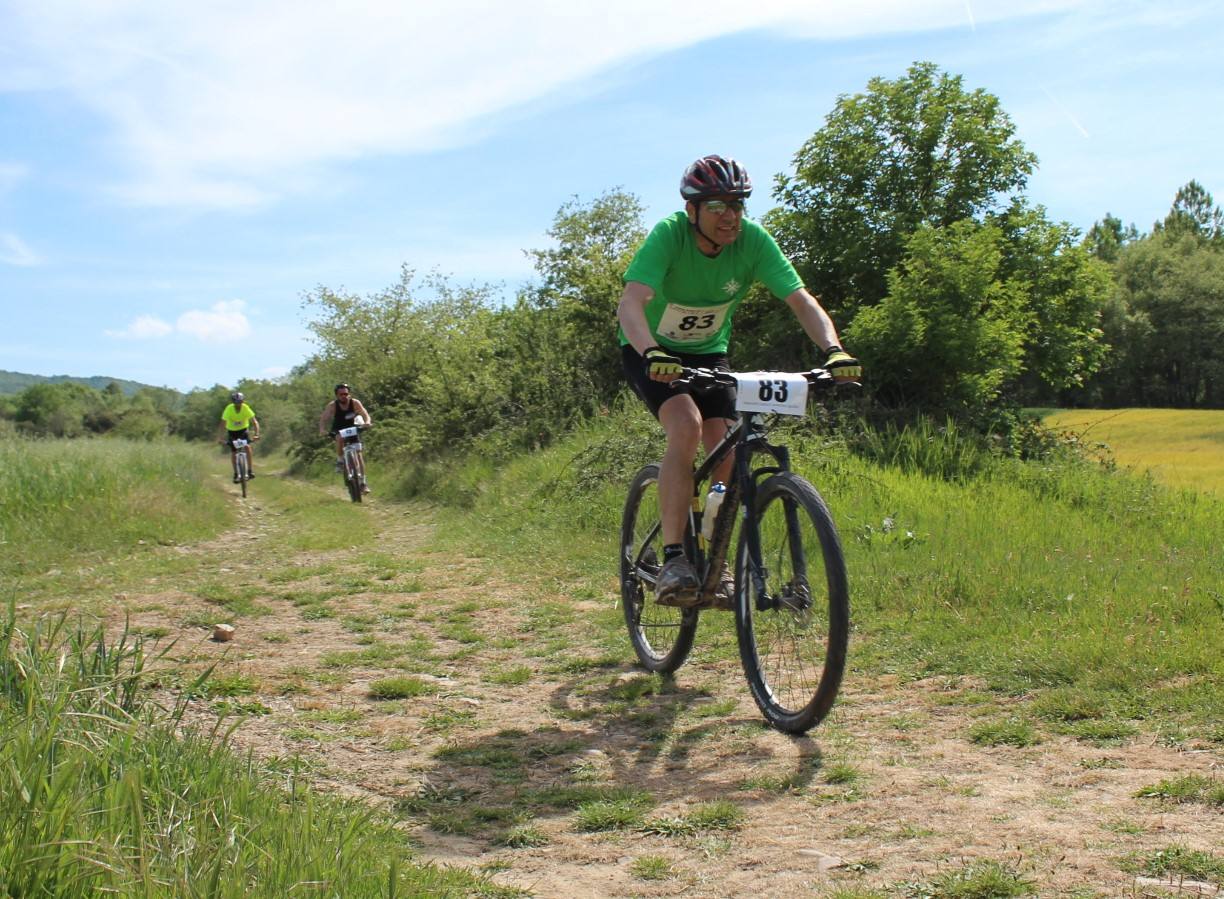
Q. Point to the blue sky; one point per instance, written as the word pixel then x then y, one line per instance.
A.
pixel 175 176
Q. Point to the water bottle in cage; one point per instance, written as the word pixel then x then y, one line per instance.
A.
pixel 714 499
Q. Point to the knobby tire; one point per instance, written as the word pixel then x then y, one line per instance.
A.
pixel 240 460
pixel 662 636
pixel 794 650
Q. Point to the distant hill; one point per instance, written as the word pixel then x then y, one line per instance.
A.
pixel 16 381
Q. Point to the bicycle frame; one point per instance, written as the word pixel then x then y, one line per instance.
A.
pixel 744 438
pixel 354 461
pixel 239 447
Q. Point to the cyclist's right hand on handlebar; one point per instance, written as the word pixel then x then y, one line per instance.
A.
pixel 662 365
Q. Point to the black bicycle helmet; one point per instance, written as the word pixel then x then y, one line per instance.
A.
pixel 713 176
pixel 237 396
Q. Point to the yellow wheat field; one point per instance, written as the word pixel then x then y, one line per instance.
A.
pixel 1180 447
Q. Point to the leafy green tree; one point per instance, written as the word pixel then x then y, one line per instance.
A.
pixel 201 411
pixel 1106 238
pixel 919 151
pixel 1171 290
pixel 56 410
pixel 1194 212
pixel 581 285
pixel 1063 293
pixel 951 331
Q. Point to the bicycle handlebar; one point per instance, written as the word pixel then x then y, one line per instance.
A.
pixel 708 378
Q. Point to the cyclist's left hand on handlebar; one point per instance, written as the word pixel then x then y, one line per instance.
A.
pixel 842 366
pixel 661 365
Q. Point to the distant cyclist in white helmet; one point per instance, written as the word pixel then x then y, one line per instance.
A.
pixel 681 290
pixel 237 422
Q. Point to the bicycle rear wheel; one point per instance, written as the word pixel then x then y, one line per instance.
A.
pixel 662 636
pixel 793 634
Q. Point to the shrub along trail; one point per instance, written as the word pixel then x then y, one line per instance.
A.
pixel 502 722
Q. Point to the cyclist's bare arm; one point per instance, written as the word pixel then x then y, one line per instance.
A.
pixel 325 420
pixel 631 314
pixel 361 410
pixel 812 316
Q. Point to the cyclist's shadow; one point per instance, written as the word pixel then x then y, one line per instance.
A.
pixel 650 727
pixel 618 732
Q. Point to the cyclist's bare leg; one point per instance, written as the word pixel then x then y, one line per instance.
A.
pixel 247 449
pixel 340 449
pixel 681 422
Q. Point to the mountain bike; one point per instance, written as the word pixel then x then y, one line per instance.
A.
pixel 242 465
pixel 791 596
pixel 354 461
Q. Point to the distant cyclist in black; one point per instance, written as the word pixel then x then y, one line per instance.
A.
pixel 341 413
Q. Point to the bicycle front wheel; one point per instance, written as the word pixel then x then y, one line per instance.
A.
pixel 662 636
pixel 793 609
pixel 242 471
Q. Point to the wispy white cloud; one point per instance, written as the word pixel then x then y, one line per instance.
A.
pixel 230 104
pixel 143 327
pixel 15 251
pixel 225 321
pixel 222 322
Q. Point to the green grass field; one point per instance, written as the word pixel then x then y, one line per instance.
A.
pixel 1083 601
pixel 1179 447
pixel 76 498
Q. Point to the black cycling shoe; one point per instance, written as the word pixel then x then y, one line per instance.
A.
pixel 237 480
pixel 250 476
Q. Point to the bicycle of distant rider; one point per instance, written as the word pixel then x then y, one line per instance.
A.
pixel 242 465
pixel 791 596
pixel 354 461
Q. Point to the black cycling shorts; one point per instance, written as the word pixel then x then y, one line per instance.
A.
pixel 716 403
pixel 231 436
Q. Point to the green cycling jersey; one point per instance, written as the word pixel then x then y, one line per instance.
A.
pixel 695 295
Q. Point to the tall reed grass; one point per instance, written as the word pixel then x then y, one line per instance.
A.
pixel 102 792
pixel 76 496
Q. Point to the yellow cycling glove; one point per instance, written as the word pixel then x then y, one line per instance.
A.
pixel 661 364
pixel 841 365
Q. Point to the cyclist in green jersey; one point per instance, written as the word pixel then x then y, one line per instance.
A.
pixel 236 421
pixel 681 290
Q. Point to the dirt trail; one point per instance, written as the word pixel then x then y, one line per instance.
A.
pixel 512 714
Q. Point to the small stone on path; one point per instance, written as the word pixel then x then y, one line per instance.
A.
pixel 223 633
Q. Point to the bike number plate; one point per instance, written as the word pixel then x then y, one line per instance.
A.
pixel 349 432
pixel 239 443
pixel 771 391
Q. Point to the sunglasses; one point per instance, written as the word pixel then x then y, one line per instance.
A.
pixel 718 207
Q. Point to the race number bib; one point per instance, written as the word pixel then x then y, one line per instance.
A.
pixel 349 432
pixel 771 391
pixel 691 324
pixel 239 443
